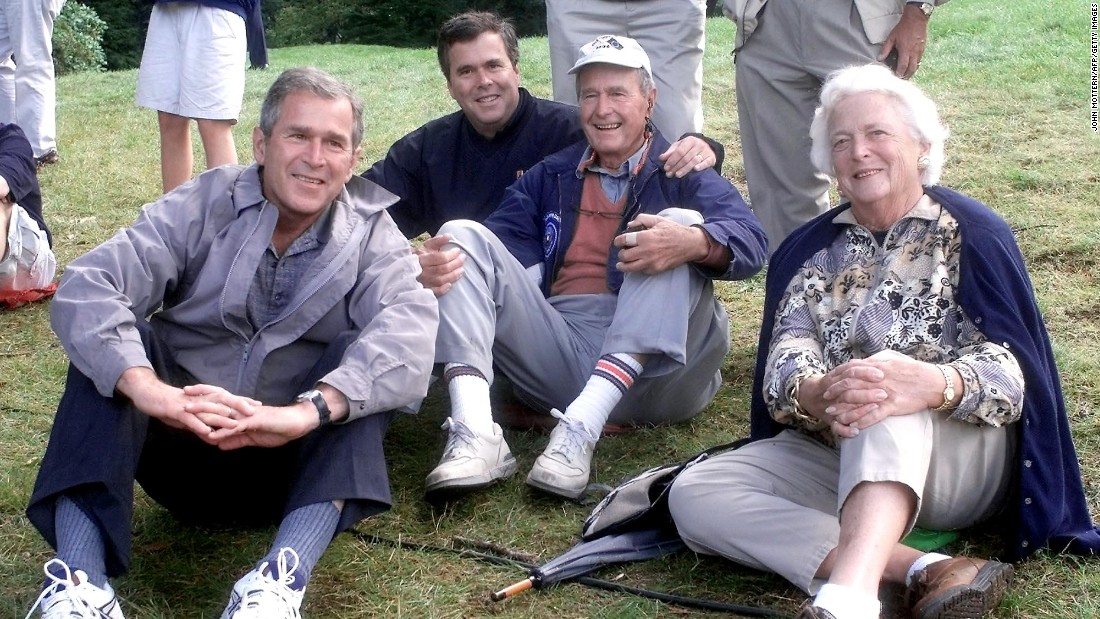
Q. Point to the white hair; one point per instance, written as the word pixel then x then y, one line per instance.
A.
pixel 919 111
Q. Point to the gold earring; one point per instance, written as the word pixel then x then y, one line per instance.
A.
pixel 923 162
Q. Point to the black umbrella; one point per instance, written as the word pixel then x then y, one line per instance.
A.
pixel 588 555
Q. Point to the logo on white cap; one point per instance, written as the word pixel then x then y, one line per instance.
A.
pixel 616 50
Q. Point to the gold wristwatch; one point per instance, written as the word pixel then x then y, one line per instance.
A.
pixel 949 390
pixel 925 7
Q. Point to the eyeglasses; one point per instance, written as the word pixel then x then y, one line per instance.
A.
pixel 605 214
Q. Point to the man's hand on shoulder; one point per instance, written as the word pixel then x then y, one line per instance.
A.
pixel 655 244
pixel 439 268
pixel 689 154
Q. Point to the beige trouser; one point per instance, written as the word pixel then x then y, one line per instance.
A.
pixel 779 73
pixel 774 504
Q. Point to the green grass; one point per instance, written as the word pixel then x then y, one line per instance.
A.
pixel 1013 82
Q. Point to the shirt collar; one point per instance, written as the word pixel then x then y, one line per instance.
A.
pixel 313 236
pixel 590 161
pixel 925 208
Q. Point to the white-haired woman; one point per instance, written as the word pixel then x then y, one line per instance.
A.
pixel 904 378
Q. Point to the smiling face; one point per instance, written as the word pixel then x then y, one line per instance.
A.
pixel 483 81
pixel 874 154
pixel 613 111
pixel 308 157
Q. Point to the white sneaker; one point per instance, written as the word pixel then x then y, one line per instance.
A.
pixel 469 462
pixel 63 598
pixel 259 596
pixel 564 466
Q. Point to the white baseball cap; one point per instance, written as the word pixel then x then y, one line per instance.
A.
pixel 613 49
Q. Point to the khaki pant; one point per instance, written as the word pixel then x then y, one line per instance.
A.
pixel 779 73
pixel 672 32
pixel 774 504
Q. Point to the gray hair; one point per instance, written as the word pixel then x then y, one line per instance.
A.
pixel 315 82
pixel 645 80
pixel 919 112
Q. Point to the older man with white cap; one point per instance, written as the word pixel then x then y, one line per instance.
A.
pixel 590 288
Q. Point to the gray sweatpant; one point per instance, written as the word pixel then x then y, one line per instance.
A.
pixel 496 314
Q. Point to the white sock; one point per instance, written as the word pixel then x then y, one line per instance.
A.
pixel 469 391
pixel 921 563
pixel 614 374
pixel 847 603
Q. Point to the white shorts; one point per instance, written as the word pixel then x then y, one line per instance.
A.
pixel 28 262
pixel 194 62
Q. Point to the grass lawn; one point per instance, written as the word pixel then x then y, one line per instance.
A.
pixel 1013 82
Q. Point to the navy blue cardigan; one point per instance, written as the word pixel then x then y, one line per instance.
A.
pixel 1047 506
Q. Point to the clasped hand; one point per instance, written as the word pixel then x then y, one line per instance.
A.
pixel 862 392
pixel 215 415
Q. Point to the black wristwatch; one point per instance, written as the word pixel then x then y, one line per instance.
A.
pixel 925 7
pixel 318 400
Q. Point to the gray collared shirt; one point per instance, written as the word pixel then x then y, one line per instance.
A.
pixel 278 277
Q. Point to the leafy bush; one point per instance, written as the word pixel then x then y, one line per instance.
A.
pixel 78 40
pixel 397 23
pixel 125 37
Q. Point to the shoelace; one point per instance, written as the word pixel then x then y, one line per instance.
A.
pixel 64 586
pixel 459 438
pixel 276 585
pixel 573 440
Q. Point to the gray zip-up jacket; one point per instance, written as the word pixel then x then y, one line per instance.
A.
pixel 879 17
pixel 187 265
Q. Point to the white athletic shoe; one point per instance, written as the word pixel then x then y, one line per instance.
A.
pixel 259 596
pixel 564 466
pixel 64 598
pixel 469 462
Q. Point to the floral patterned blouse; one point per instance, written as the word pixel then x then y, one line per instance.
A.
pixel 858 297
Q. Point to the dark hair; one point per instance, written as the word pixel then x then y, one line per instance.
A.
pixel 313 81
pixel 469 26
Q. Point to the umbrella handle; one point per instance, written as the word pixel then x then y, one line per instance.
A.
pixel 512 590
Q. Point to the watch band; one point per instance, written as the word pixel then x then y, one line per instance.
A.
pixel 313 395
pixel 925 7
pixel 948 391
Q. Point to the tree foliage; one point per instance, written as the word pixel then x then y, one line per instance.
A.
pixel 78 40
pixel 397 23
pixel 125 36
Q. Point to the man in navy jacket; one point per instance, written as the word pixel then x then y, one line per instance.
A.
pixel 595 259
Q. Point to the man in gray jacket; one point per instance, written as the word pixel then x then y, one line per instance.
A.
pixel 783 52
pixel 237 351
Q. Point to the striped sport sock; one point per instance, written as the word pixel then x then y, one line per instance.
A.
pixel 615 373
pixel 79 543
pixel 469 391
pixel 308 530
